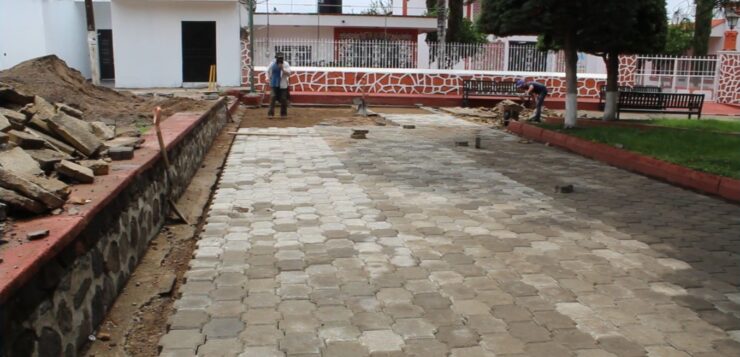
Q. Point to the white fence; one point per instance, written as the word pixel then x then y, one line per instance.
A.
pixel 678 74
pixel 495 56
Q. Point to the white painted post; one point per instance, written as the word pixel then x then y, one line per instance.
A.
pixel 92 43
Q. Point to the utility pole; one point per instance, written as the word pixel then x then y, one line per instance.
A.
pixel 251 4
pixel 92 43
pixel 441 27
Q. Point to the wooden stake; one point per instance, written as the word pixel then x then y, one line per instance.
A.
pixel 163 150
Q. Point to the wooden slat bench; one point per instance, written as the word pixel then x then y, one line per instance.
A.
pixel 621 89
pixel 487 89
pixel 669 103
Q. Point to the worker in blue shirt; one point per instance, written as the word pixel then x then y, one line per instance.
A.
pixel 278 72
pixel 532 89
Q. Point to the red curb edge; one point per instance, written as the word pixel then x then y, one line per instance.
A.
pixel 725 187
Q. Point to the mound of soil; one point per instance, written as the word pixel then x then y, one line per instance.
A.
pixel 51 78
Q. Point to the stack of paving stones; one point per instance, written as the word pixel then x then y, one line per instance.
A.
pixel 319 245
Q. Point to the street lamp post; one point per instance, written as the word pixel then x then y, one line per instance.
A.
pixel 732 13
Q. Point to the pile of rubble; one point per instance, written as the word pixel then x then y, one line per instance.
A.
pixel 499 115
pixel 45 147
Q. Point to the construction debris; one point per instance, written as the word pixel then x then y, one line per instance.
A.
pixel 121 153
pixel 75 172
pixel 98 167
pixel 359 134
pixel 35 235
pixel 498 116
pixel 55 131
pixel 564 189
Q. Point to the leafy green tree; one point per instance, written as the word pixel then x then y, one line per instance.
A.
pixel 627 27
pixel 679 39
pixel 459 29
pixel 703 25
pixel 557 21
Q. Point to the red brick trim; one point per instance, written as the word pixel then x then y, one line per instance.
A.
pixel 725 187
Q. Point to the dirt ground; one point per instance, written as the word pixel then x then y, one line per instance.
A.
pixel 299 116
pixel 139 316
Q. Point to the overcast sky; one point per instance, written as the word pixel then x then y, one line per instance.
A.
pixel 357 6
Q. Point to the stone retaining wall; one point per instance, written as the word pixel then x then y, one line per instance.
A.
pixel 54 312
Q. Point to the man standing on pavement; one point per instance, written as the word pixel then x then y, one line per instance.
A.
pixel 278 72
pixel 532 89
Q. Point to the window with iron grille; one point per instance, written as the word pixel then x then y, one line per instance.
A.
pixel 296 55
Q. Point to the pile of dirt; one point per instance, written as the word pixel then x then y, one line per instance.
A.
pixel 50 77
pixel 499 115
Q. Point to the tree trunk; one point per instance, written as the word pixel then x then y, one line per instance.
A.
pixel 612 86
pixel 454 21
pixel 571 80
pixel 703 26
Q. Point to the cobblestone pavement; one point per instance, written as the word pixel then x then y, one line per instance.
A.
pixel 405 245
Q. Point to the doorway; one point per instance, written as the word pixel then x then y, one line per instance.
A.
pixel 105 54
pixel 198 50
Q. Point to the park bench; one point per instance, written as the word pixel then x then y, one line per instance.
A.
pixel 644 89
pixel 669 103
pixel 487 89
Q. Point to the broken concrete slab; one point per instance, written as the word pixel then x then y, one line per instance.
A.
pixel 102 130
pixel 18 202
pixel 42 108
pixel 12 181
pixel 75 132
pixel 9 95
pixel 64 108
pixel 4 124
pixel 129 141
pixel 15 118
pixel 50 184
pixel 76 172
pixel 48 158
pixel 99 167
pixel 25 140
pixel 53 143
pixel 19 161
pixel 121 153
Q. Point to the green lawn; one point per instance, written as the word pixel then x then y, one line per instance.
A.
pixel 697 149
pixel 706 125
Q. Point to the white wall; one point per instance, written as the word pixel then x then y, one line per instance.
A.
pixel 34 28
pixel 147 41
pixel 21 31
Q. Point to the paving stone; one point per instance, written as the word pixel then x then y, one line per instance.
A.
pixel 265 351
pixel 300 343
pixel 404 239
pixel 188 320
pixel 182 339
pixel 344 348
pixel 414 328
pixel 425 348
pixel 223 327
pixel 220 347
pixel 457 336
pixel 476 351
pixel 381 341
pixel 260 335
